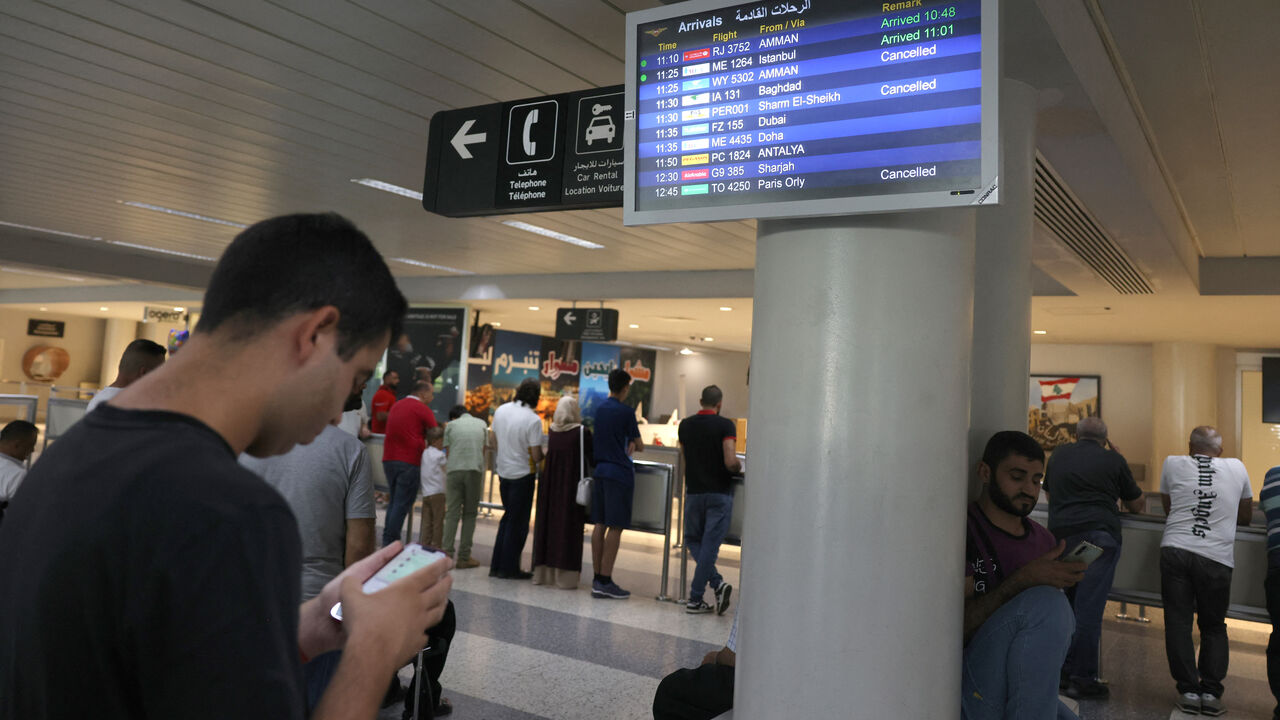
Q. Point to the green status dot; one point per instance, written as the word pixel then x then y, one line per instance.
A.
pixel 644 63
pixel 643 78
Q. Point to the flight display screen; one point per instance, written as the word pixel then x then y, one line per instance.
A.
pixel 809 107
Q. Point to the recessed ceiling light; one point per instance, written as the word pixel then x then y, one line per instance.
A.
pixel 1040 332
pixel 37 273
pixel 534 307
pixel 164 251
pixel 432 266
pixel 104 308
pixel 47 230
pixel 44 309
pixel 496 324
pixel 552 234
pixel 634 326
pixel 686 351
pixel 182 213
pixel 179 309
pixel 388 187
pixel 707 339
pixel 725 308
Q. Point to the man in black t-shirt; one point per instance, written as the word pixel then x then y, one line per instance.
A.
pixel 172 584
pixel 1083 481
pixel 708 442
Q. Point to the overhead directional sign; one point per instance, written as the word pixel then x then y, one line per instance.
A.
pixel 559 152
pixel 592 324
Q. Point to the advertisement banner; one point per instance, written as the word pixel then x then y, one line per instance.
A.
pixel 430 348
pixel 639 364
pixel 516 357
pixel 480 371
pixel 560 374
pixel 593 387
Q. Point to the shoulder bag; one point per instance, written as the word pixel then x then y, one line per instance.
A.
pixel 584 481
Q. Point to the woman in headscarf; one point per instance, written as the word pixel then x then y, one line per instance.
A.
pixel 557 531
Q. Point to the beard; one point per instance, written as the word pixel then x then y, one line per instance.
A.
pixel 354 402
pixel 1006 503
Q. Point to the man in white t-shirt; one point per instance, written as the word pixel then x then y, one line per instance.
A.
pixel 17 442
pixel 139 358
pixel 1205 497
pixel 518 432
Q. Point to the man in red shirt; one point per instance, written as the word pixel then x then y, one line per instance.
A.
pixel 382 401
pixel 407 426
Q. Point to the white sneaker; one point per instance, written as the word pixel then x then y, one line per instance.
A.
pixel 1211 705
pixel 1189 703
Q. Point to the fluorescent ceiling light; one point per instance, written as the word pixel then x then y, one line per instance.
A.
pixel 37 273
pixel 388 187
pixel 655 347
pixel 182 213
pixel 44 309
pixel 103 308
pixel 496 324
pixel 634 326
pixel 47 230
pixel 1040 332
pixel 707 339
pixel 149 248
pixel 553 234
pixel 725 308
pixel 534 307
pixel 432 266
pixel 179 309
pixel 686 351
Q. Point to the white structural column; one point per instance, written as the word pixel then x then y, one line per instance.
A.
pixel 1002 284
pixel 859 404
pixel 116 337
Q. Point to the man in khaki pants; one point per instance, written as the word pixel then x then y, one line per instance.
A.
pixel 464 441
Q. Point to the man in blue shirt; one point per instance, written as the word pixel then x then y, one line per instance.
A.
pixel 617 436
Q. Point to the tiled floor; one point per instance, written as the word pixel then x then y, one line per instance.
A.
pixel 524 651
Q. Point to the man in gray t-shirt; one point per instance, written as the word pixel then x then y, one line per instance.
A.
pixel 330 490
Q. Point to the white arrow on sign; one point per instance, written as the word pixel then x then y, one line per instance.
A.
pixel 570 318
pixel 461 139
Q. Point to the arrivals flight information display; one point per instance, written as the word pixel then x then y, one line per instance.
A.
pixel 809 107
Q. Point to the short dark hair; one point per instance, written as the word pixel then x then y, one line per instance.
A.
pixel 421 385
pixel 141 354
pixel 18 429
pixel 711 396
pixel 529 392
pixel 1011 442
pixel 457 411
pixel 297 263
pixel 388 374
pixel 618 379
pixel 434 433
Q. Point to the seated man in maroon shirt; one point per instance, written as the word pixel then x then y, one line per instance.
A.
pixel 1017 621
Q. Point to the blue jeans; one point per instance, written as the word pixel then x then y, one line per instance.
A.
pixel 1089 600
pixel 513 528
pixel 1011 664
pixel 404 481
pixel 317 674
pixel 706 522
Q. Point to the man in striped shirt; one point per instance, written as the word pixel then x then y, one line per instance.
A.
pixel 1270 500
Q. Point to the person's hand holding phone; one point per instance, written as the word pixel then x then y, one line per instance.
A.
pixel 393 621
pixel 1048 570
pixel 319 633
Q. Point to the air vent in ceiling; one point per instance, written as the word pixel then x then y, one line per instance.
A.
pixel 1057 208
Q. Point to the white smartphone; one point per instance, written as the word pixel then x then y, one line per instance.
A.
pixel 1086 552
pixel 409 560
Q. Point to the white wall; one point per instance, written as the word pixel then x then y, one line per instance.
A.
pixel 1126 391
pixel 725 369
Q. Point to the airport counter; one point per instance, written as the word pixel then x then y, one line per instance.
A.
pixel 1138 572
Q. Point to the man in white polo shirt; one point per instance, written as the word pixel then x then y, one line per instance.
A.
pixel 518 432
pixel 1205 497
